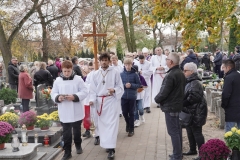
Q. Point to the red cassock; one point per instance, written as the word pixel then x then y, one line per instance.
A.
pixel 87 119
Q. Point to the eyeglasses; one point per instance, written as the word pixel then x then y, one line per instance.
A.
pixel 185 71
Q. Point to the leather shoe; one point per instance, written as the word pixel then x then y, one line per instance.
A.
pixel 190 153
pixel 111 154
pixel 97 140
pixel 66 156
pixel 148 110
pixel 130 134
pixel 87 134
pixel 79 149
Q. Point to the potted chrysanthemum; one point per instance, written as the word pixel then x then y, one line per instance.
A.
pixel 43 121
pixel 232 139
pixel 11 118
pixel 214 149
pixel 29 118
pixel 5 133
pixel 55 118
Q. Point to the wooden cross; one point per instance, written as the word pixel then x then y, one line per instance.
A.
pixel 95 35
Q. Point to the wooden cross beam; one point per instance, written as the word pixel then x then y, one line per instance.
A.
pixel 95 35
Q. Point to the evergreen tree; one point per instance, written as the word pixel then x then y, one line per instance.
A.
pixel 34 57
pixel 39 57
pixel 232 34
pixel 119 50
pixel 86 54
pixel 82 54
pixel 91 54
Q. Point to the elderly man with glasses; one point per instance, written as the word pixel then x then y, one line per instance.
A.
pixel 170 98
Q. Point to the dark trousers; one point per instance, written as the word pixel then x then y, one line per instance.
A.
pixel 175 132
pixel 128 108
pixel 218 71
pixel 195 136
pixel 67 135
pixel 25 105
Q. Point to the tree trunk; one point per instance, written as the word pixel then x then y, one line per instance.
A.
pixel 125 27
pixel 5 49
pixel 131 27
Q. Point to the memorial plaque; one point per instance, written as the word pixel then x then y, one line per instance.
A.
pixel 42 102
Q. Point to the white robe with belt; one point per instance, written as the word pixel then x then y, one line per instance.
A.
pixel 70 111
pixel 146 70
pixel 93 112
pixel 108 121
pixel 158 76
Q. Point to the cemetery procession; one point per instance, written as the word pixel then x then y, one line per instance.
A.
pixel 89 95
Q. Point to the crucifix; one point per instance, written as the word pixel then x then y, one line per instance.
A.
pixel 95 35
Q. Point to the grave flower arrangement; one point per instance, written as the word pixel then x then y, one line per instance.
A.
pixel 5 132
pixel 47 93
pixel 28 118
pixel 11 118
pixel 43 121
pixel 232 139
pixel 54 116
pixel 214 149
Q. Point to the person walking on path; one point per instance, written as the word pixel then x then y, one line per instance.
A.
pixel 68 92
pixel 170 98
pixel 13 73
pixel 105 92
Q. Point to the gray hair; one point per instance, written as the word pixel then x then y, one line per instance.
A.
pixel 174 57
pixel 191 66
pixel 50 62
pixel 190 51
pixel 23 68
pixel 36 63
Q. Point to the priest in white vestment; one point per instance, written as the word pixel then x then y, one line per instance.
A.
pixel 106 89
pixel 159 68
pixel 145 70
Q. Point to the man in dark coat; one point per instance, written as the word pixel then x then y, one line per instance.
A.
pixel 170 99
pixel 13 73
pixel 52 69
pixel 230 95
pixel 218 62
pixel 191 57
pixel 76 68
pixel 206 62
pixel 236 58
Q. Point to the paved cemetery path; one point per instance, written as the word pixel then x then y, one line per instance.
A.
pixel 150 142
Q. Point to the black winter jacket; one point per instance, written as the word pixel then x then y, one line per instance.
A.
pixel 13 73
pixel 206 61
pixel 194 101
pixel 171 93
pixel 190 58
pixel 218 59
pixel 230 96
pixel 43 77
pixel 53 70
pixel 236 59
pixel 77 70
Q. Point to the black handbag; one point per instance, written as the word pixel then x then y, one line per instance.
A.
pixel 185 118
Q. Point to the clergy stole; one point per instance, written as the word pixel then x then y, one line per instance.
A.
pixel 87 119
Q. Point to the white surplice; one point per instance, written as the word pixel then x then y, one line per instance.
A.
pixel 93 111
pixel 146 70
pixel 158 76
pixel 70 111
pixel 108 121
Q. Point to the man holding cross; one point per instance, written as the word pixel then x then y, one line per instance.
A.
pixel 105 92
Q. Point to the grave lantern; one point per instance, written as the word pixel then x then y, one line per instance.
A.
pixel 15 141
pixel 24 135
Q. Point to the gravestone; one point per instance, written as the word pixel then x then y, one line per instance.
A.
pixel 43 105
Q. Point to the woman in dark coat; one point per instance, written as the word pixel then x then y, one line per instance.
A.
pixel 25 87
pixel 43 76
pixel 194 103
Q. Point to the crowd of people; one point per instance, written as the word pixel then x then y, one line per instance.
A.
pixel 166 80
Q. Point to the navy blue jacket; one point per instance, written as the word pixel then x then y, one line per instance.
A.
pixel 190 58
pixel 133 78
pixel 230 96
pixel 218 59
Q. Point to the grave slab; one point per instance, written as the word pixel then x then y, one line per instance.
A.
pixel 25 152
